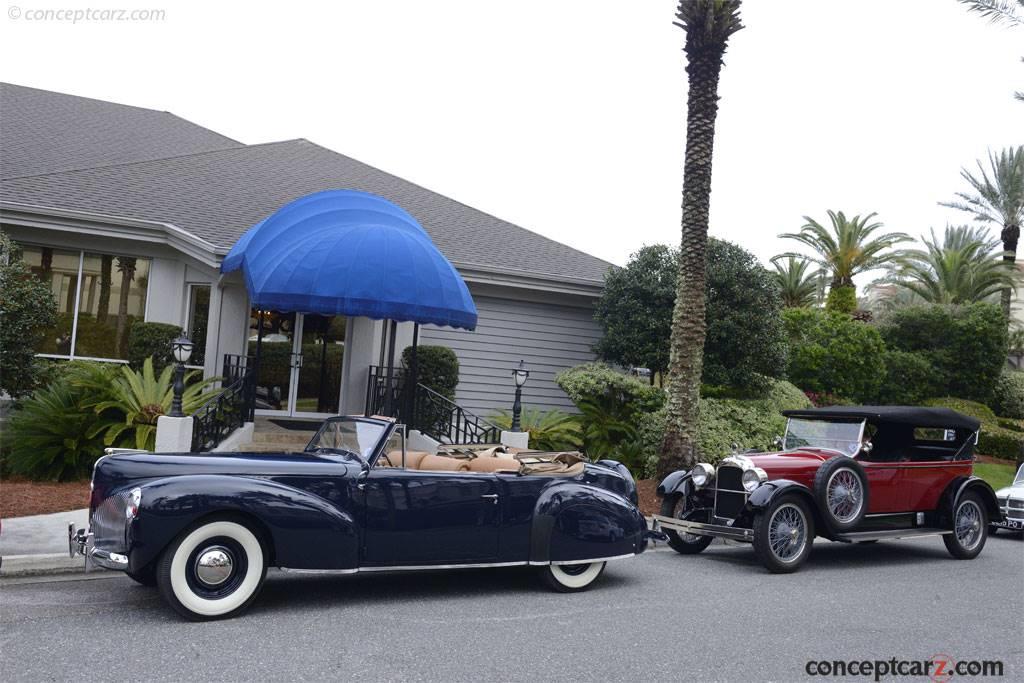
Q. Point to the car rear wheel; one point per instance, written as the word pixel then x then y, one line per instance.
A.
pixel 571 578
pixel 841 492
pixel 783 534
pixel 682 542
pixel 970 528
pixel 213 570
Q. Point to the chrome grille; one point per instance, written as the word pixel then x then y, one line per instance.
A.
pixel 108 522
pixel 729 494
pixel 1016 505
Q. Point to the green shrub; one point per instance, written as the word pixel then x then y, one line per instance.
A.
pixel 909 379
pixel 831 353
pixel 437 368
pixel 966 345
pixel 841 299
pixel 750 423
pixel 550 430
pixel 151 340
pixel 53 435
pixel 999 438
pixel 1008 395
pixel 594 380
pixel 27 316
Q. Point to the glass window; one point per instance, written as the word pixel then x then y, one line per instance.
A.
pixel 349 435
pixel 198 318
pixel 99 296
pixel 838 436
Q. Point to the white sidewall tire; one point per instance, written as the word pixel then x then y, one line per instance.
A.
pixel 253 575
pixel 577 581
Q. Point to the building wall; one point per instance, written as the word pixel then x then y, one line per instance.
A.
pixel 549 336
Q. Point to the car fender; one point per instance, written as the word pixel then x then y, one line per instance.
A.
pixel 956 489
pixel 677 482
pixel 765 494
pixel 573 521
pixel 304 531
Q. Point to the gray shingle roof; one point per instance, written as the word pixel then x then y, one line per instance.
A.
pixel 218 195
pixel 44 132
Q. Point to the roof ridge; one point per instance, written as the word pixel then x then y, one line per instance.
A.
pixel 427 189
pixel 148 161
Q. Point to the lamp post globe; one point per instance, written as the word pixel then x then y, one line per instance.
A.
pixel 181 349
pixel 520 375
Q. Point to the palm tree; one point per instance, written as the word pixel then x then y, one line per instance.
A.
pixel 848 248
pixel 708 24
pixel 798 287
pixel 1010 12
pixel 997 199
pixel 963 268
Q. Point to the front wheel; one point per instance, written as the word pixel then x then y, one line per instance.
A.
pixel 212 571
pixel 571 578
pixel 970 528
pixel 783 534
pixel 682 542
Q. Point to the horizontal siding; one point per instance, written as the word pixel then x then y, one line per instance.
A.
pixel 548 337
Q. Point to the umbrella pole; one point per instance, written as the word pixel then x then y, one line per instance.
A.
pixel 389 399
pixel 412 380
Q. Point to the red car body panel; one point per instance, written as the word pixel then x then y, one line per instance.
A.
pixel 894 486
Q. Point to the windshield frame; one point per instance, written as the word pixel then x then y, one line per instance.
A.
pixel 860 435
pixel 1018 480
pixel 387 425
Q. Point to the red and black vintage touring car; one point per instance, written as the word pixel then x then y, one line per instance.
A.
pixel 847 474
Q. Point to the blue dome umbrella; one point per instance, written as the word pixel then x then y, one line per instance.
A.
pixel 344 252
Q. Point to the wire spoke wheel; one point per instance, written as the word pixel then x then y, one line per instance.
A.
pixel 787 532
pixel 968 524
pixel 845 495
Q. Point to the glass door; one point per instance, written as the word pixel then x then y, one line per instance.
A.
pixel 300 362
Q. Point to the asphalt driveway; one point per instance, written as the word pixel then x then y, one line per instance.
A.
pixel 662 616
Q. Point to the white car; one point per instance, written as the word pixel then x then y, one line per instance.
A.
pixel 1011 504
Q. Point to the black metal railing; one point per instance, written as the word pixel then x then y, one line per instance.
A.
pixel 432 413
pixel 231 408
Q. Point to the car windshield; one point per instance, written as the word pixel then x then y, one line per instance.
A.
pixel 837 436
pixel 1019 479
pixel 348 435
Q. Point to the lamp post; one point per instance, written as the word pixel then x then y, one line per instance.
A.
pixel 181 348
pixel 519 375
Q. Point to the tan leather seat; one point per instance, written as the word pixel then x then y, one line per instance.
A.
pixel 442 463
pixel 394 459
pixel 493 464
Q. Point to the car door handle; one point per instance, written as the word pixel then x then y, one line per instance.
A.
pixel 493 497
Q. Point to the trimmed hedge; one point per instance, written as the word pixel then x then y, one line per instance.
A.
pixel 909 379
pixel 437 368
pixel 830 353
pixel 151 339
pixel 841 299
pixel 999 437
pixel 593 381
pixel 1008 395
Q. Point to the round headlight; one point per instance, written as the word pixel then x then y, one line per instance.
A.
pixel 701 474
pixel 753 478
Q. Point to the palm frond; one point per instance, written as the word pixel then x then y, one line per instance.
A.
pixel 998 11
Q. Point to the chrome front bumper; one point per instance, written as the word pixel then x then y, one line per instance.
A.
pixel 701 529
pixel 80 543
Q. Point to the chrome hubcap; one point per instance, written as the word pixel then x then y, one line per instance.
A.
pixel 787 533
pixel 968 524
pixel 214 565
pixel 845 495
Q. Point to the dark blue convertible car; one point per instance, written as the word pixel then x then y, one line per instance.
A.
pixel 205 527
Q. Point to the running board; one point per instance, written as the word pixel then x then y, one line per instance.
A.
pixel 890 534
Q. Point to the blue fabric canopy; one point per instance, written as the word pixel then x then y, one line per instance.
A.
pixel 343 252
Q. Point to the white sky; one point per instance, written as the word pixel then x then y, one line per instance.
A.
pixel 567 117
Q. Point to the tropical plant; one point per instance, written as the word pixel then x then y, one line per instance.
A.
pixel 1010 12
pixel 708 24
pixel 53 435
pixel 27 310
pixel 798 286
pixel 141 398
pixel 607 423
pixel 849 247
pixel 635 310
pixel 550 430
pixel 964 267
pixel 997 198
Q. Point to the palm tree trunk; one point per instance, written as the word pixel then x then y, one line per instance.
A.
pixel 1009 235
pixel 127 267
pixel 686 354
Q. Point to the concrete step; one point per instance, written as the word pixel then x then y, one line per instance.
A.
pixel 282 437
pixel 271 447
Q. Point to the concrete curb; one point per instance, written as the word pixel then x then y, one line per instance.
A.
pixel 33 565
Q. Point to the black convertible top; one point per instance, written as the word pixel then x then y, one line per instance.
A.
pixel 908 415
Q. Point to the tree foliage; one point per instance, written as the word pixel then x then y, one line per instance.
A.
pixel 635 310
pixel 27 310
pixel 798 285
